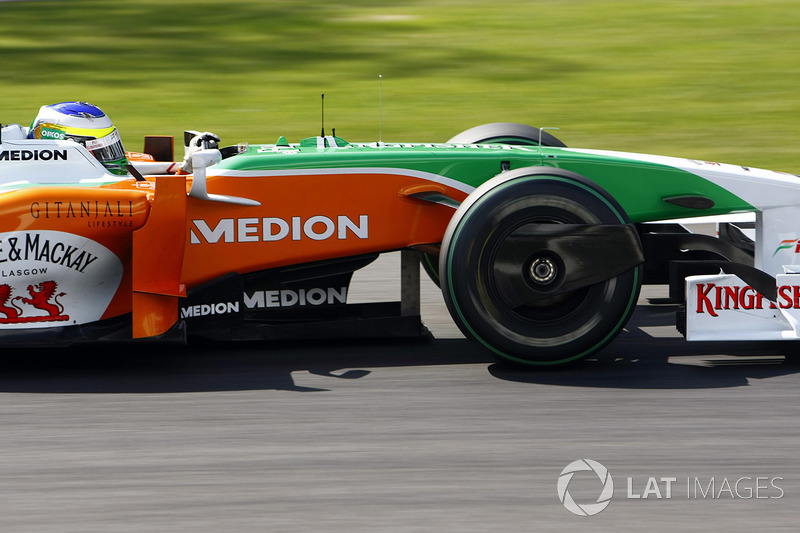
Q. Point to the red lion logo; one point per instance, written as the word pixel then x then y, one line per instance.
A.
pixel 42 296
pixel 11 312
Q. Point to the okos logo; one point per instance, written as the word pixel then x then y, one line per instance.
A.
pixel 586 509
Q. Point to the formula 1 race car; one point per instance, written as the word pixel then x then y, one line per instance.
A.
pixel 540 250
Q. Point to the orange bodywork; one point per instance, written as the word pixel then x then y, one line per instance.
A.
pixel 387 219
pixel 170 242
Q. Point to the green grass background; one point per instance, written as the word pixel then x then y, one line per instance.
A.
pixel 714 80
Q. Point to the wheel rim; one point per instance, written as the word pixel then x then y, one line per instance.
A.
pixel 541 312
pixel 480 311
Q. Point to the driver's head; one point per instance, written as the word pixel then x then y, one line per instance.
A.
pixel 85 124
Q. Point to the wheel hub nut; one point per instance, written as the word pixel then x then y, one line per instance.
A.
pixel 543 270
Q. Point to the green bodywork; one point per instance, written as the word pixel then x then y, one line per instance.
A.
pixel 640 187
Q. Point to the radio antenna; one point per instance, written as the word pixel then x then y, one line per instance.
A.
pixel 380 108
pixel 323 115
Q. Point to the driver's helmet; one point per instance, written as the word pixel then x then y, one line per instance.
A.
pixel 85 124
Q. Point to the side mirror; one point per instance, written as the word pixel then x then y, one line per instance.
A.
pixel 201 160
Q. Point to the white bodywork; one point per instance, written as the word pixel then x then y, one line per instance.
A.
pixel 24 162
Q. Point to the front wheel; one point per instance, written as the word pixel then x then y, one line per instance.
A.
pixel 540 266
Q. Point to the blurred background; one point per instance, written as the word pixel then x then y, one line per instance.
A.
pixel 365 437
pixel 714 80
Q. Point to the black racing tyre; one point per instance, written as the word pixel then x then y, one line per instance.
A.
pixel 506 133
pixel 550 330
pixel 430 264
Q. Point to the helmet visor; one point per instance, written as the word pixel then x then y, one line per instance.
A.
pixel 107 149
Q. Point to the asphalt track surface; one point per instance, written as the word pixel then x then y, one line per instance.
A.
pixel 399 436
